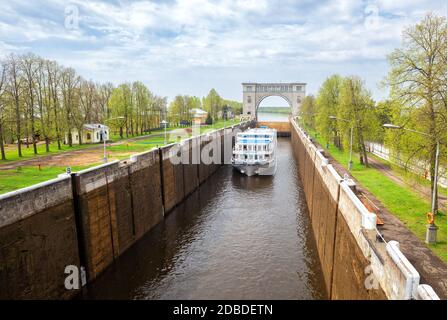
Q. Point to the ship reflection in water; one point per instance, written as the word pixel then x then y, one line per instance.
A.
pixel 237 237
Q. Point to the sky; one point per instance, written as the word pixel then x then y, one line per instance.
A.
pixel 190 46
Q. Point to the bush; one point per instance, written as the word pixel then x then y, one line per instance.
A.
pixel 209 120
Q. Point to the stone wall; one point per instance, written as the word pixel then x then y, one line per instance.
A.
pixel 89 218
pixel 355 263
pixel 37 240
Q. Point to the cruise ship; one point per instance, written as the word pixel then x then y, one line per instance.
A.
pixel 254 152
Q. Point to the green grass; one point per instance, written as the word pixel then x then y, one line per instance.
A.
pixel 28 153
pixel 410 177
pixel 29 175
pixel 402 201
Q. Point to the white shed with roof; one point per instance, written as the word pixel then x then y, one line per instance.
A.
pixel 91 133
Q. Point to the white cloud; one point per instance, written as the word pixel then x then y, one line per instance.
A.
pixel 248 39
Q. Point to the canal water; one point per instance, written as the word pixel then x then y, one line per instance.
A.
pixel 236 238
pixel 273 117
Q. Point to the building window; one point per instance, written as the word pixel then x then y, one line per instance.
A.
pixel 89 136
pixel 298 88
pixel 249 99
pixel 298 99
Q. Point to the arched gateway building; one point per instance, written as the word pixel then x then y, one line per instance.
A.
pixel 254 93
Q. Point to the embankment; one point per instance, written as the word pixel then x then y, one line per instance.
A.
pixel 357 262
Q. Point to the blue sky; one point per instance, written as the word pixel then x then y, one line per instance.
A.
pixel 189 46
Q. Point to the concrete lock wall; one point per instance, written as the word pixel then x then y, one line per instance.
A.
pixel 37 241
pixel 91 217
pixel 282 128
pixel 354 264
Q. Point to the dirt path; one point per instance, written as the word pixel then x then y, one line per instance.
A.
pixel 422 190
pixel 81 157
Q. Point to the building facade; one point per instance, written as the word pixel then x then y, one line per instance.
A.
pixel 91 133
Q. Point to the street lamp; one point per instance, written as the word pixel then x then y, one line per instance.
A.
pixel 164 123
pixel 430 236
pixel 104 136
pixel 350 143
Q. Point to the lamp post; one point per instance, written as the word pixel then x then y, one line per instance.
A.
pixel 164 123
pixel 431 233
pixel 104 136
pixel 350 143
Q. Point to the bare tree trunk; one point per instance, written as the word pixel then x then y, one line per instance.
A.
pixel 33 132
pixel 18 126
pixel 2 146
pixel 26 129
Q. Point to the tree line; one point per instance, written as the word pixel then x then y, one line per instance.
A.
pixel 41 100
pixel 180 108
pixel 417 100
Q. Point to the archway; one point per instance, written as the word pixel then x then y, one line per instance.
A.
pixel 274 108
pixel 253 93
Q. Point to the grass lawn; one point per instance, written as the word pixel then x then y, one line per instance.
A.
pixel 402 201
pixel 29 175
pixel 28 153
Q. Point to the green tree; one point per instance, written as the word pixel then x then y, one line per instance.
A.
pixel 120 105
pixel 357 107
pixel 327 102
pixel 308 112
pixel 416 77
pixel 213 103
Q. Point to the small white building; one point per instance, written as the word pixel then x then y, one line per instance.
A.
pixel 91 133
pixel 198 116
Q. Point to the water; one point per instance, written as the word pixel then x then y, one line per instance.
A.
pixel 274 117
pixel 237 238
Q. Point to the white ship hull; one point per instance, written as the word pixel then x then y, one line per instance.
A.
pixel 256 169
